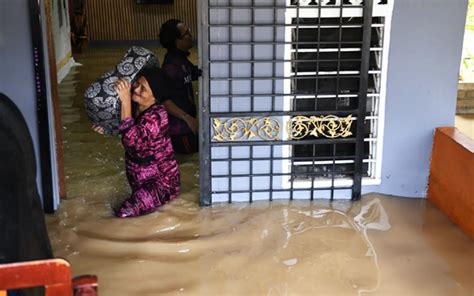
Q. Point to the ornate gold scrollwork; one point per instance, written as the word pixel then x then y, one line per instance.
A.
pixel 241 129
pixel 328 126
pixel 268 128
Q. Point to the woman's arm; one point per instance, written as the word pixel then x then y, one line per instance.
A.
pixel 135 135
pixel 124 91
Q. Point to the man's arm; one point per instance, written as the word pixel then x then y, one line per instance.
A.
pixel 174 110
pixel 195 72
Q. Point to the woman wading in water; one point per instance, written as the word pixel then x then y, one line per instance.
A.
pixel 151 167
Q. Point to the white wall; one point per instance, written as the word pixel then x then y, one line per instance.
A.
pixel 425 54
pixel 61 33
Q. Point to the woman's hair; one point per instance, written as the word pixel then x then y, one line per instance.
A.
pixel 169 32
pixel 156 80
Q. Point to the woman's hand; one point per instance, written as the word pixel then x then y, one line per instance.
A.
pixel 98 129
pixel 191 122
pixel 124 91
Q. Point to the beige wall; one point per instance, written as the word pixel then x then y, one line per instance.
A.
pixel 122 20
pixel 62 36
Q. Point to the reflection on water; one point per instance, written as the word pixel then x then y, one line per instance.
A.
pixel 380 245
pixel 274 248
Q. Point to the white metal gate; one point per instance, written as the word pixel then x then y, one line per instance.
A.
pixel 290 89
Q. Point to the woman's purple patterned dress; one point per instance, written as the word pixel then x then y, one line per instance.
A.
pixel 151 167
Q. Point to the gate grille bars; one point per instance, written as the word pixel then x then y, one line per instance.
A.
pixel 283 98
pixel 368 8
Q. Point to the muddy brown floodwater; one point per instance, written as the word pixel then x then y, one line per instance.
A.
pixel 378 246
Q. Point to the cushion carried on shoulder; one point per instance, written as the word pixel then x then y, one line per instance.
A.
pixel 100 98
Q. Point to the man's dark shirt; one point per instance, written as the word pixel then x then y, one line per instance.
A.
pixel 180 73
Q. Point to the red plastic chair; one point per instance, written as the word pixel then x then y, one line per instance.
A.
pixel 54 275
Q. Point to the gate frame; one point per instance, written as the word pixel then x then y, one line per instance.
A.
pixel 205 177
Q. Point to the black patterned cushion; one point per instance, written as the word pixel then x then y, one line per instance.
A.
pixel 100 99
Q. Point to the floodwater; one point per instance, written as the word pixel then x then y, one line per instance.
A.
pixel 378 246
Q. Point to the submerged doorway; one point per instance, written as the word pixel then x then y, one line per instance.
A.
pixel 94 164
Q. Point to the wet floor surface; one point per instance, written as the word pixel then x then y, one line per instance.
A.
pixel 378 246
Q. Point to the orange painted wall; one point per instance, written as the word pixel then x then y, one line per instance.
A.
pixel 451 181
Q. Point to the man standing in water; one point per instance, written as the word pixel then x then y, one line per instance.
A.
pixel 178 101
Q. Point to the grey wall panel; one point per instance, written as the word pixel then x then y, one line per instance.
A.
pixel 16 62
